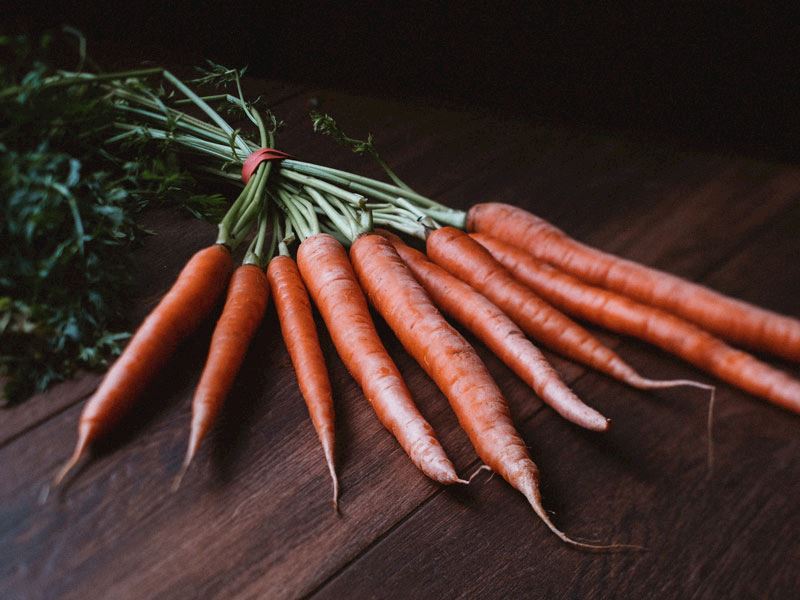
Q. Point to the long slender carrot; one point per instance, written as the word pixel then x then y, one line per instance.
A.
pixel 465 258
pixel 623 315
pixel 300 335
pixel 330 280
pixel 248 295
pixel 729 318
pixel 500 334
pixel 190 300
pixel 453 365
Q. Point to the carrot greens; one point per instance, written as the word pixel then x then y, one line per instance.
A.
pixel 68 217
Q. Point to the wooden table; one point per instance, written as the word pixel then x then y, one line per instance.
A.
pixel 253 518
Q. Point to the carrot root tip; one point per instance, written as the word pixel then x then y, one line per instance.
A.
pixel 44 494
pixel 335 491
pixel 644 383
pixel 710 431
pixel 478 470
pixel 328 450
pixel 530 490
pixel 77 455
pixel 176 483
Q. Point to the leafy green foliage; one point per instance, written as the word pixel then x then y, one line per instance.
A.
pixel 67 220
pixel 218 75
pixel 326 125
pixel 65 268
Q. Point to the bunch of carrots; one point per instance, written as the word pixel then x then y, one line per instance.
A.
pixel 507 276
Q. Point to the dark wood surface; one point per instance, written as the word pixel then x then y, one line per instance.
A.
pixel 253 517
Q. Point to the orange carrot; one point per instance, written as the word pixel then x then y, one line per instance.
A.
pixel 452 363
pixel 248 295
pixel 190 300
pixel 465 258
pixel 623 315
pixel 300 335
pixel 731 319
pixel 491 325
pixel 330 280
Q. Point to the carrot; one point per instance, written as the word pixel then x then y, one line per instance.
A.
pixel 729 318
pixel 623 315
pixel 491 325
pixel 453 365
pixel 300 335
pixel 455 251
pixel 190 300
pixel 330 280
pixel 248 295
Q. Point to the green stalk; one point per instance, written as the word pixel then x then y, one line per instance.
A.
pixel 328 173
pixel 207 98
pixel 324 186
pixel 332 231
pixel 262 131
pixel 411 227
pixel 390 173
pixel 295 215
pixel 251 209
pixel 224 235
pixel 277 234
pixel 254 255
pixel 180 122
pixel 69 78
pixel 181 117
pixel 377 189
pixel 202 105
pixel 343 223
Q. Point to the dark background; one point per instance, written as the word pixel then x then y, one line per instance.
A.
pixel 718 77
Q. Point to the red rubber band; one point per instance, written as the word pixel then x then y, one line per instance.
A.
pixel 259 156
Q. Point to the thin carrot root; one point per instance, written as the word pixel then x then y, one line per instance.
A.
pixel 77 455
pixel 650 384
pixel 530 489
pixel 195 437
pixel 176 483
pixel 44 494
pixel 334 478
pixel 478 470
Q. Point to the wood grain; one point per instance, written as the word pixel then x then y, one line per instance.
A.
pixel 253 517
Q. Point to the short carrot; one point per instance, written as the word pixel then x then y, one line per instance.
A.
pixel 670 333
pixel 248 295
pixel 729 318
pixel 300 336
pixel 500 334
pixel 332 284
pixel 455 251
pixel 190 300
pixel 452 363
